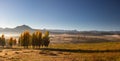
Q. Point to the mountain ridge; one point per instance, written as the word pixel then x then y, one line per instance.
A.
pixel 21 28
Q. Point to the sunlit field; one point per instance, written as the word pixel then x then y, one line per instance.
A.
pixel 59 50
pixel 107 51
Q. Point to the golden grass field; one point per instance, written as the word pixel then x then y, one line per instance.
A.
pixel 106 51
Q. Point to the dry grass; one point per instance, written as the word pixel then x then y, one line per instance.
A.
pixel 108 51
pixel 87 46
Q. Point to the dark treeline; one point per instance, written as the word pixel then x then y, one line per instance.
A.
pixel 36 40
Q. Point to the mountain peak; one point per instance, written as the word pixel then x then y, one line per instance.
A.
pixel 23 27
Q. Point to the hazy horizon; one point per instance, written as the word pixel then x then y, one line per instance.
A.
pixel 82 15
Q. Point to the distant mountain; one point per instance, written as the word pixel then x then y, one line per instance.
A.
pixel 23 27
pixel 63 31
pixel 19 29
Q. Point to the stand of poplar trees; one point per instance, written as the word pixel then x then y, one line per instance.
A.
pixel 36 40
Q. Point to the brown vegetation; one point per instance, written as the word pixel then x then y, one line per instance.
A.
pixel 26 39
pixel 106 51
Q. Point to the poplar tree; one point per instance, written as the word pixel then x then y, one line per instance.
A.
pixel 3 40
pixel 25 39
pixel 10 42
pixel 37 39
pixel 45 39
pixel 33 40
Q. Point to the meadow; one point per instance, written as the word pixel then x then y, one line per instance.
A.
pixel 106 51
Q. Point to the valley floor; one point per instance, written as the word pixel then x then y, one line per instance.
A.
pixel 109 51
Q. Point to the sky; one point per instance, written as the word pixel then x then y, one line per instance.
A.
pixel 82 15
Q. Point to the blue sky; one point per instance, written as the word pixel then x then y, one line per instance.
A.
pixel 61 14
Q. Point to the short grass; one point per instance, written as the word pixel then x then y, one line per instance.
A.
pixel 88 46
pixel 107 51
